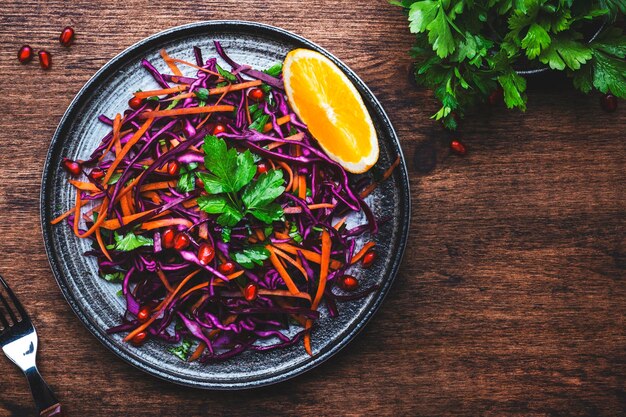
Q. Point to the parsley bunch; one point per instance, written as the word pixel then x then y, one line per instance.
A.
pixel 468 49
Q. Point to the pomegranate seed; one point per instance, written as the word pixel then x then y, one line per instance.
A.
pixel 97 173
pixel 458 147
pixel 256 94
pixel 25 54
pixel 173 168
pixel 227 268
pixel 45 59
pixel 181 241
pixel 139 339
pixel 369 259
pixel 167 240
pixel 251 292
pixel 144 314
pixel 67 36
pixel 206 253
pixel 219 128
pixel 496 96
pixel 608 103
pixel 261 168
pixel 135 102
pixel 72 167
pixel 199 183
pixel 348 283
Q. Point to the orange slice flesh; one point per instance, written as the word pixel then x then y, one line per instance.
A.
pixel 324 98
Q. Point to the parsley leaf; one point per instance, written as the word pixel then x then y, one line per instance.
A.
pixel 295 234
pixel 274 70
pixel 565 52
pixel 536 40
pixel 114 277
pixel 130 242
pixel 202 94
pixel 182 351
pixel 225 74
pixel 226 234
pixel 250 256
pixel 114 178
pixel 514 86
pixel 230 169
pixel 187 180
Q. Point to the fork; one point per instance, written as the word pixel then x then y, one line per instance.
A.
pixel 18 340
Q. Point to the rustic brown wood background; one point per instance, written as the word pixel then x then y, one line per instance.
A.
pixel 512 296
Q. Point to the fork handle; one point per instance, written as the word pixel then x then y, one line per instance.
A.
pixel 46 402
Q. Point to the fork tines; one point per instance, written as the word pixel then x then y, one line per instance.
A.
pixel 8 311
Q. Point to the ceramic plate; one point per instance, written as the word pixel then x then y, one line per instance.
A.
pixel 96 302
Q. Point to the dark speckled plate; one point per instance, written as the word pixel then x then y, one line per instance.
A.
pixel 95 301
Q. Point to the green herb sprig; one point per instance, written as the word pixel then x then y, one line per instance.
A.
pixel 466 49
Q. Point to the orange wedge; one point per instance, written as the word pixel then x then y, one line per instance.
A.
pixel 325 99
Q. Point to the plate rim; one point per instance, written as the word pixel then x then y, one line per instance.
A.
pixel 150 367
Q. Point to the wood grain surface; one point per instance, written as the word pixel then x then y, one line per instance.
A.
pixel 512 295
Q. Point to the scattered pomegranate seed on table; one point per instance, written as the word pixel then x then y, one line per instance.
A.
pixel 458 147
pixel 608 102
pixel 496 97
pixel 72 167
pixel 250 292
pixel 348 283
pixel 25 54
pixel 45 59
pixel 67 36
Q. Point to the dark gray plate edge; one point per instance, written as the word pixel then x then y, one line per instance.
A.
pixel 320 357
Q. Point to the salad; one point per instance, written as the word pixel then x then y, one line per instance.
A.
pixel 217 211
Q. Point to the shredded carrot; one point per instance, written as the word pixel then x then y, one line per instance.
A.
pixel 154 197
pixel 171 64
pixel 65 215
pixel 235 274
pixel 101 218
pixel 289 259
pixel 158 186
pixel 161 92
pixel 180 97
pixel 114 224
pixel 280 235
pixel 282 271
pixel 190 203
pixel 248 112
pixel 280 121
pixel 166 222
pixel 260 234
pixel 362 252
pixel 125 207
pixel 161 306
pixel 308 254
pixel 189 64
pixel 324 266
pixel 368 190
pixel 103 247
pixel 302 187
pixel 235 87
pixel 340 223
pixel 133 140
pixel 186 111
pixel 198 352
pixel 116 136
pixel 289 171
pixel 164 280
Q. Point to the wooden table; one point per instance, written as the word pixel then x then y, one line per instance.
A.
pixel 512 296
